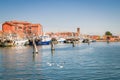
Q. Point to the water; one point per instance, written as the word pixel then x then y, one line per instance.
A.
pixel 97 61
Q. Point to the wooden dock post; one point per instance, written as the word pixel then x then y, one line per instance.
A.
pixel 108 41
pixel 73 43
pixel 88 42
pixel 35 50
pixel 52 46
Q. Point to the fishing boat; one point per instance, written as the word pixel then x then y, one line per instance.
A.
pixel 41 40
pixel 61 40
pixel 45 40
pixel 21 42
pixel 7 43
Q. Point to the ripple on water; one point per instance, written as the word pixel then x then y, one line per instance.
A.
pixel 97 61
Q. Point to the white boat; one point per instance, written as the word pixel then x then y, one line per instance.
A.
pixel 20 42
pixel 61 40
pixel 45 38
pixel 7 43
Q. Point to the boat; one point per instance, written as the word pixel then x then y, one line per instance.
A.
pixel 85 41
pixel 45 40
pixel 41 40
pixel 20 42
pixel 71 40
pixel 7 43
pixel 61 40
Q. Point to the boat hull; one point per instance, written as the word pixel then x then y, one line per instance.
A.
pixel 43 43
pixel 40 43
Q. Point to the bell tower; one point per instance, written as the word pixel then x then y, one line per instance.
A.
pixel 78 31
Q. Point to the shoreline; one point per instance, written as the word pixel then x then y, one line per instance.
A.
pixel 106 41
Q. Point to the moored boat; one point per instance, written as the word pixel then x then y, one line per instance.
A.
pixel 41 40
pixel 21 42
pixel 7 43
pixel 61 40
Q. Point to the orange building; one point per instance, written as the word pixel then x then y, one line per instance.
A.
pixel 21 28
pixel 95 37
pixel 1 33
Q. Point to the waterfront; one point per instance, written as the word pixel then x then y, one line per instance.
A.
pixel 97 61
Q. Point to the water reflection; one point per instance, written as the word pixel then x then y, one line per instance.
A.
pixel 37 57
pixel 17 62
pixel 52 52
pixel 83 62
pixel 34 56
pixel 53 63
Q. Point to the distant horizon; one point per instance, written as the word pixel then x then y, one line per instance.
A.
pixel 93 17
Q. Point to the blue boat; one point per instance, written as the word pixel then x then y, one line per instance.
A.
pixel 42 40
pixel 43 43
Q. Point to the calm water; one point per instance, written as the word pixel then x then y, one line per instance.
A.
pixel 97 61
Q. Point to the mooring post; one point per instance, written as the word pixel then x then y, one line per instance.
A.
pixel 35 50
pixel 52 46
pixel 108 41
pixel 88 42
pixel 73 43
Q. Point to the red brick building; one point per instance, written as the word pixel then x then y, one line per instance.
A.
pixel 94 37
pixel 21 28
pixel 1 32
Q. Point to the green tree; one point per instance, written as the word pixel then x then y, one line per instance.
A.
pixel 108 33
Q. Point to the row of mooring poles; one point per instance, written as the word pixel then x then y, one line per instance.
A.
pixel 53 45
pixel 35 50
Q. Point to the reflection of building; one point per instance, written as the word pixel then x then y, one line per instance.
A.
pixel 21 28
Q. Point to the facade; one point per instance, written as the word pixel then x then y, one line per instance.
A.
pixel 111 38
pixel 65 34
pixel 78 31
pixel 94 37
pixel 22 28
pixel 1 32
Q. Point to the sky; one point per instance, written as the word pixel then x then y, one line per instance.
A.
pixel 93 17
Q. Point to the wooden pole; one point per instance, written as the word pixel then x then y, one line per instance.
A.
pixel 35 50
pixel 88 42
pixel 52 46
pixel 73 42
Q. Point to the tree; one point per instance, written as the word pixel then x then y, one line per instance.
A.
pixel 108 33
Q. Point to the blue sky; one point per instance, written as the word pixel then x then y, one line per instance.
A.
pixel 91 16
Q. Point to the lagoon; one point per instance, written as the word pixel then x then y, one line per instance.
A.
pixel 97 61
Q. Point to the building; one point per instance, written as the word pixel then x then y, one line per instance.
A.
pixel 22 28
pixel 65 34
pixel 78 31
pixel 94 37
pixel 1 33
